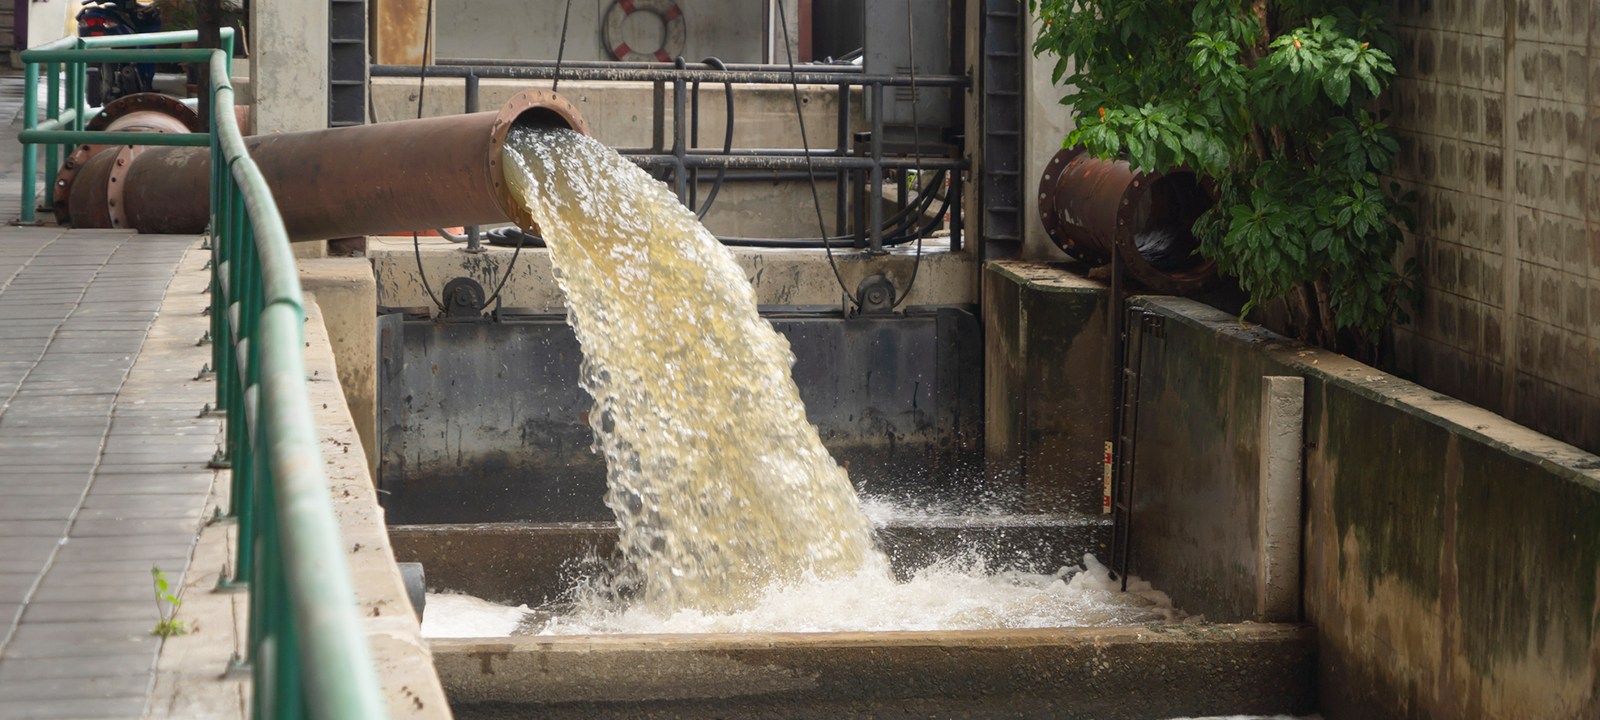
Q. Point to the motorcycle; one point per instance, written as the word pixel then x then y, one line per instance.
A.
pixel 100 18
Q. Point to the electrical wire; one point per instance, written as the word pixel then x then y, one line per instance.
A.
pixel 816 200
pixel 916 144
pixel 561 50
pixel 416 249
pixel 727 138
pixel 422 86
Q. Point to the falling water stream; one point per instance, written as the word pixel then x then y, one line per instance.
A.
pixel 733 516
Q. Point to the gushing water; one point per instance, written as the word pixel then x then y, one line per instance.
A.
pixel 733 516
pixel 720 485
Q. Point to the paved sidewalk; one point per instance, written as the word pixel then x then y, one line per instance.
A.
pixel 102 463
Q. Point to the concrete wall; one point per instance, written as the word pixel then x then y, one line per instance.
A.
pixel 1495 103
pixel 619 114
pixel 51 20
pixel 404 662
pixel 1047 405
pixel 348 297
pixel 1451 558
pixel 780 277
pixel 1047 122
pixel 732 30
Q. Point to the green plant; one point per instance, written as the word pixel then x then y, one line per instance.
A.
pixel 169 624
pixel 1273 100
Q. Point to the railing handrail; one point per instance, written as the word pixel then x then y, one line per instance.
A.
pixel 307 649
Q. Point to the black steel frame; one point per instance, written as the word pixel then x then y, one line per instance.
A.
pixel 845 162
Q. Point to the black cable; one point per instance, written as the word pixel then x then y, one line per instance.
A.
pixel 422 85
pixel 916 145
pixel 416 248
pixel 503 278
pixel 893 227
pixel 816 200
pixel 561 51
pixel 727 138
pixel 427 39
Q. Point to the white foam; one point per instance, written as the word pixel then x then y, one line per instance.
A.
pixel 945 596
pixel 453 615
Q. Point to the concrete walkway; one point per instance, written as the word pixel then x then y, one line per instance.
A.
pixel 103 458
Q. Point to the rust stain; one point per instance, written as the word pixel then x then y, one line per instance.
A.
pixel 399 29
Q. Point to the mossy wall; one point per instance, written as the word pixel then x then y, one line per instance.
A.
pixel 1046 406
pixel 1450 555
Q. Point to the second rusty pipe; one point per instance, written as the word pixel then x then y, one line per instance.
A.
pixel 345 182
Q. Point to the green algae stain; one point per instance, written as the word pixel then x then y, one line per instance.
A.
pixel 1390 490
pixel 1528 549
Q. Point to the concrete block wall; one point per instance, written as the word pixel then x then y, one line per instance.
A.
pixel 1495 105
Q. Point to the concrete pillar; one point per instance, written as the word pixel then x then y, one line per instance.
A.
pixel 289 65
pixel 289 73
pixel 1047 123
pixel 1281 478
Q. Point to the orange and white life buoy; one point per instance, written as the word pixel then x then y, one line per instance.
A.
pixel 672 34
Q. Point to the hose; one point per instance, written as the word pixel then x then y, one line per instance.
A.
pixel 727 138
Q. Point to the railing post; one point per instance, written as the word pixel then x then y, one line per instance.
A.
pixel 52 111
pixel 30 121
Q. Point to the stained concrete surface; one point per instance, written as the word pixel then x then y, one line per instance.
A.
pixel 1099 673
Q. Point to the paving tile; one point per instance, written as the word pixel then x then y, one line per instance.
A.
pixel 89 612
pixel 38 507
pixel 139 592
pixel 21 547
pixel 75 708
pixel 152 483
pixel 28 487
pixel 166 468
pixel 33 528
pixel 14 587
pixel 179 507
pixel 70 579
pixel 124 565
pixel 116 686
pixel 24 565
pixel 194 502
pixel 87 528
pixel 25 420
pixel 158 550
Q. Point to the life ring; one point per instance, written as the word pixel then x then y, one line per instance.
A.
pixel 671 37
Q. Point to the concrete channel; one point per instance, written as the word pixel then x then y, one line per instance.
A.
pixel 1366 614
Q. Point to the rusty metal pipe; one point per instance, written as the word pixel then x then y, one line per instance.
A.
pixel 1092 208
pixel 346 182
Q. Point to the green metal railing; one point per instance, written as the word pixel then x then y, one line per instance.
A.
pixel 308 653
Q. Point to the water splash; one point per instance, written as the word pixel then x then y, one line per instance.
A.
pixel 720 485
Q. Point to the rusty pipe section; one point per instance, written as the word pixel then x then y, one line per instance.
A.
pixel 341 182
pixel 1092 208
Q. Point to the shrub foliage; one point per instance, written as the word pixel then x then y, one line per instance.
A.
pixel 1272 100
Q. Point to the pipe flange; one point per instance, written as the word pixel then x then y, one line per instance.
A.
pixel 162 105
pixel 116 183
pixel 139 112
pixel 527 105
pixel 1049 214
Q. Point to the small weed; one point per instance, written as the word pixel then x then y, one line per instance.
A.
pixel 168 612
